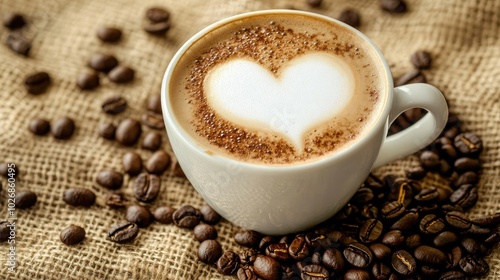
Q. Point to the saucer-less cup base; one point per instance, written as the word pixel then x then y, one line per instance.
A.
pixel 285 199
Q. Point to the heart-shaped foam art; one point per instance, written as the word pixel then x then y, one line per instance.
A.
pixel 310 89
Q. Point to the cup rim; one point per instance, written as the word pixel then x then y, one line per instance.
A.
pixel 169 118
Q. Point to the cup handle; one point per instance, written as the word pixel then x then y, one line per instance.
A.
pixel 421 133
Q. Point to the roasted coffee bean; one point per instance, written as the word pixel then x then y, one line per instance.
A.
pixel 468 144
pixel 88 80
pixel 356 274
pixel 102 62
pixel 314 3
pixel 358 255
pixel 465 196
pixel 204 232
pixel 247 256
pixel 407 221
pixel 416 173
pixel 380 251
pixel 492 239
pixel 158 162
pixel 430 255
pixel 37 83
pixel 79 197
pixel 109 34
pixel 116 200
pixel 393 6
pixel 266 241
pixel 4 231
pixel 448 152
pixel 492 220
pixel 431 224
pixel 464 164
pixel 403 263
pixel 247 238
pixel 63 128
pixel 429 160
pixel 209 215
pixel 470 245
pixel 39 126
pixel 413 241
pixel 72 235
pixel 452 132
pixel 316 257
pixel 381 271
pixel 478 231
pixel 158 28
pixel 452 275
pixel 123 233
pixel 153 104
pixel 421 59
pixel 445 239
pixel 454 256
pixel 474 266
pixel 164 214
pixel 146 187
pixel 392 210
pixel 444 194
pixel 350 17
pixel 332 259
pixel 314 272
pixel 121 74
pixel 152 141
pixel 393 238
pixel 139 215
pixel 25 199
pixel 402 192
pixel 107 130
pixel 114 105
pixel 457 220
pixel 362 196
pixel 19 44
pixel 278 251
pixel 177 170
pixel 370 211
pixel 267 267
pixel 153 120
pixel 128 132
pixel 246 273
pixel 413 76
pixel 186 217
pixel 429 194
pixel 157 14
pixel 429 271
pixel 370 231
pixel 110 179
pixel 298 249
pixel 468 177
pixel 132 163
pixel 13 20
pixel 228 263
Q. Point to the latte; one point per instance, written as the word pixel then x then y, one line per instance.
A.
pixel 278 89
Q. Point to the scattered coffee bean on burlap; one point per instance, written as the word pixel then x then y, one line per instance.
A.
pixel 18 43
pixel 393 6
pixel 152 141
pixel 37 82
pixel 63 128
pixel 128 132
pixel 164 214
pixel 153 120
pixel 123 233
pixel 413 76
pixel 139 215
pixel 146 187
pixel 204 232
pixel 421 59
pixel 109 34
pixel 88 80
pixel 121 74
pixel 157 14
pixel 102 62
pixel 13 20
pixel 114 105
pixel 72 235
pixel 158 162
pixel 79 197
pixel 186 217
pixel 4 231
pixel 110 179
pixel 116 200
pixel 209 251
pixel 39 126
pixel 158 29
pixel 132 163
pixel 314 3
pixel 25 199
pixel 350 17
pixel 107 130
pixel 153 103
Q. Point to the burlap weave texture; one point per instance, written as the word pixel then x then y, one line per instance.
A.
pixel 462 36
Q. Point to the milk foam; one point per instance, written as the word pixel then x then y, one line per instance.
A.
pixel 307 91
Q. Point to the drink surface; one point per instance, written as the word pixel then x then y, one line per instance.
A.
pixel 278 89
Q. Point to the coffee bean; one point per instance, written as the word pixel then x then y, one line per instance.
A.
pixel 128 132
pixel 102 62
pixel 107 130
pixel 426 195
pixel 380 251
pixel 356 274
pixel 358 255
pixel 246 273
pixel 431 224
pixel 153 120
pixel 152 141
pixel 164 214
pixel 478 231
pixel 393 6
pixel 63 128
pixel 332 259
pixel 18 43
pixel 416 173
pixel 139 215
pixel 492 220
pixel 370 230
pixel 278 251
pixel 13 20
pixel 177 170
pixel 88 80
pixel 370 211
pixel 157 14
pixel 413 241
pixel 186 217
pixel 393 238
pixel 247 238
pixel 267 267
pixel 492 239
pixel 228 263
pixel 209 215
pixel 392 210
pixel 453 275
pixel 72 235
pixel 146 187
pixel 468 177
pixel 37 82
pixel 115 200
pixel 39 126
pixel 132 163
pixel 430 255
pixel 429 160
pixel 421 59
pixel 445 239
pixel 123 233
pixel 407 221
pixel 110 179
pixel 25 199
pixel 402 192
pixel 209 251
pixel 448 152
pixel 468 144
pixel 79 197
pixel 470 245
pixel 121 74
pixel 413 76
pixel 474 266
pixel 457 220
pixel 298 249
pixel 314 272
pixel 403 263
pixel 381 270
pixel 158 28
pixel 247 256
pixel 4 231
pixel 153 104
pixel 465 164
pixel 454 256
pixel 204 232
pixel 8 171
pixel 158 162
pixel 362 196
pixel 114 105
pixel 465 196
pixel 350 17
pixel 314 3
pixel 109 34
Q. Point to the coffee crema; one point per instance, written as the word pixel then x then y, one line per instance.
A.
pixel 277 89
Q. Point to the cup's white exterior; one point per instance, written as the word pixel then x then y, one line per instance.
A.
pixel 286 199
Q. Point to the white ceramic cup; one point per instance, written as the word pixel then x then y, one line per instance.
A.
pixel 286 199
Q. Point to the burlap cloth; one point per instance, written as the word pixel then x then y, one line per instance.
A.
pixel 462 36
